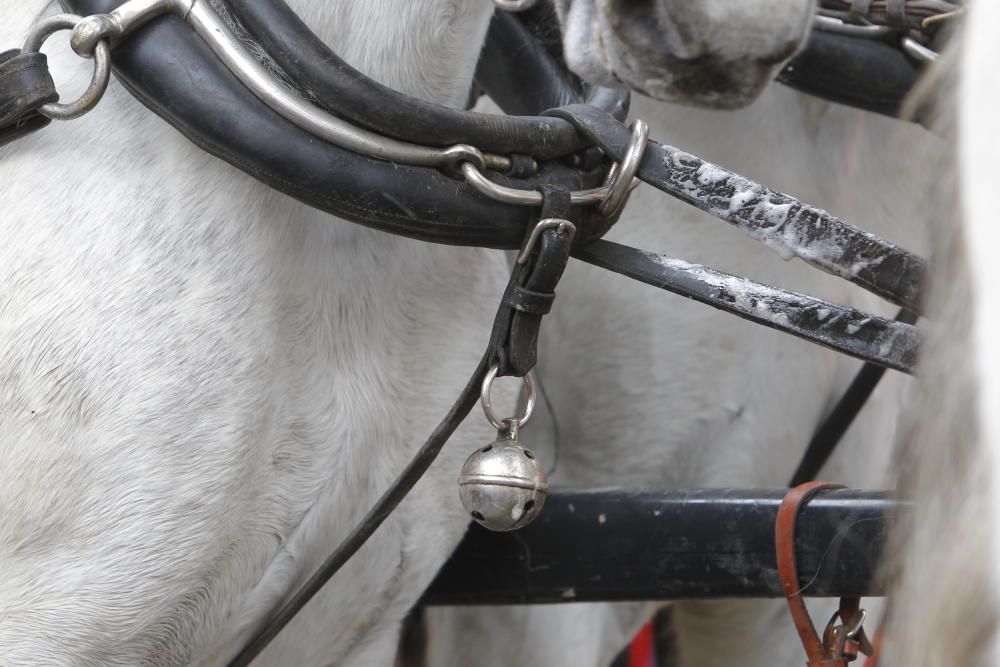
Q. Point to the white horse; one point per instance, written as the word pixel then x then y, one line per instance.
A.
pixel 945 595
pixel 658 392
pixel 206 384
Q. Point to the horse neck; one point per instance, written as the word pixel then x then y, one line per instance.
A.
pixel 425 48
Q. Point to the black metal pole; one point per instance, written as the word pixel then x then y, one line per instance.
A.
pixel 617 545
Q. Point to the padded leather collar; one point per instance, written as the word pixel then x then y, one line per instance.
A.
pixel 170 70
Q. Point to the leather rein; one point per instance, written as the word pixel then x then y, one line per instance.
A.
pixel 549 184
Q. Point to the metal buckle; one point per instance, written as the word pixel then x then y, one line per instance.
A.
pixel 547 223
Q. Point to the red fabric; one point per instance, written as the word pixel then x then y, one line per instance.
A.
pixel 642 650
pixel 872 660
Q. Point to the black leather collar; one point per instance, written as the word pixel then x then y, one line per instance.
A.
pixel 196 94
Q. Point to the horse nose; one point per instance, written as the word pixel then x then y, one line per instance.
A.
pixel 651 26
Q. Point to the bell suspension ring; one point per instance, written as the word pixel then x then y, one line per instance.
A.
pixel 502 485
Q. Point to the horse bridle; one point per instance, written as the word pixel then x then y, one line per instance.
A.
pixel 462 178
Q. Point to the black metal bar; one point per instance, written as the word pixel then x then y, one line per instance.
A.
pixel 618 545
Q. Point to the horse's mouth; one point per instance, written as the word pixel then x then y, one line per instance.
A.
pixel 635 50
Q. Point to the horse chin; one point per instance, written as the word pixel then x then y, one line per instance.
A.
pixel 707 83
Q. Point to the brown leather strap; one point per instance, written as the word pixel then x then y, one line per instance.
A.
pixel 841 642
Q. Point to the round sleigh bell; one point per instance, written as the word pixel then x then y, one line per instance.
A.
pixel 502 485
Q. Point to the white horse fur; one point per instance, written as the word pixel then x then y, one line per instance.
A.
pixel 205 384
pixel 945 595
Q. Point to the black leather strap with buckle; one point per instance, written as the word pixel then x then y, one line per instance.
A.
pixel 532 290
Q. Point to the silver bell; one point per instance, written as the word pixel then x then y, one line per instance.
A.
pixel 502 486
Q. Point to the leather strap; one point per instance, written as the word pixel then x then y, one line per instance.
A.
pixel 778 220
pixel 515 335
pixel 903 14
pixel 862 73
pixel 546 267
pixel 524 300
pixel 867 337
pixel 25 85
pixel 841 642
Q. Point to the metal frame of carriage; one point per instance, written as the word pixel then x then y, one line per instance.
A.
pixel 586 546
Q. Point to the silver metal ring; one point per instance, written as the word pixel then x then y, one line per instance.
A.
pixel 487 401
pixel 621 176
pixel 515 5
pixel 40 32
pixel 547 223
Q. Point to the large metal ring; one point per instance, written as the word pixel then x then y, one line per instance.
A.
pixel 515 5
pixel 621 177
pixel 40 32
pixel 487 401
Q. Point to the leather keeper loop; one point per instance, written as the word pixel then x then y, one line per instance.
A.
pixel 524 300
pixel 25 85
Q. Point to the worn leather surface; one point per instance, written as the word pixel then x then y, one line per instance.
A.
pixel 537 278
pixel 170 70
pixel 25 85
pixel 510 51
pixel 819 238
pixel 861 335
